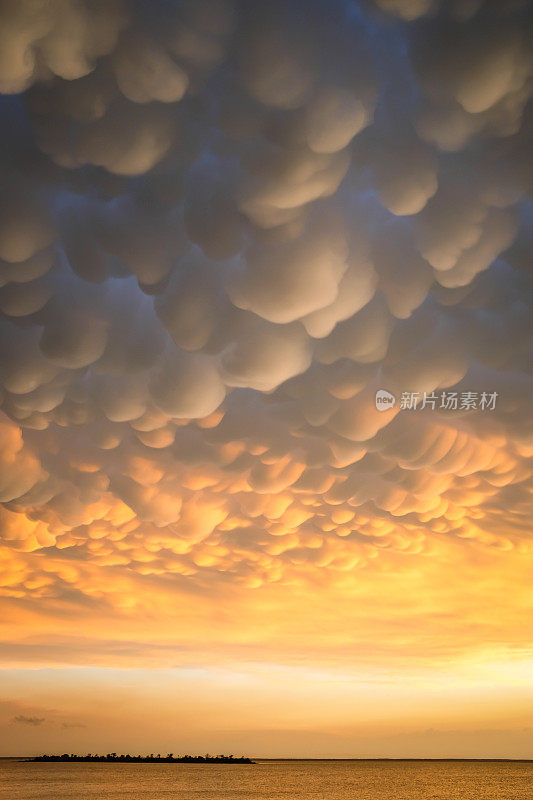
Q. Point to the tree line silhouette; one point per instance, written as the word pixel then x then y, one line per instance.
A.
pixel 113 758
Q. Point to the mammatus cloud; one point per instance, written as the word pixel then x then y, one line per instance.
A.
pixel 224 227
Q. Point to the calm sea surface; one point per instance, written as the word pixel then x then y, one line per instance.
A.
pixel 272 780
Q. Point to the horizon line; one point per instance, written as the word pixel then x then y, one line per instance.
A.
pixel 353 758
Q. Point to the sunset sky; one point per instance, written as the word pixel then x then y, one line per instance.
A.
pixel 225 226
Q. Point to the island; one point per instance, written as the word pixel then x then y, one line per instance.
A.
pixel 113 758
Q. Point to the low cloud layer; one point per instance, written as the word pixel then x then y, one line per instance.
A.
pixel 22 719
pixel 224 226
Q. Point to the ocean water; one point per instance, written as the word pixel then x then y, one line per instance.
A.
pixel 268 780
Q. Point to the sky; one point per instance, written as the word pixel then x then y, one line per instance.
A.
pixel 265 377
